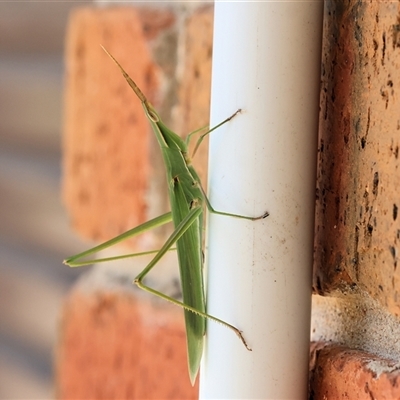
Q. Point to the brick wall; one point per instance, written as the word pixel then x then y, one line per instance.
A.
pixel 356 232
pixel 117 343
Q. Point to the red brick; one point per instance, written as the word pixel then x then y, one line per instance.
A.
pixel 116 345
pixel 106 139
pixel 357 221
pixel 195 87
pixel 341 373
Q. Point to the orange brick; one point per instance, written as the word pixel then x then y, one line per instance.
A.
pixel 341 373
pixel 195 87
pixel 119 345
pixel 106 141
pixel 357 221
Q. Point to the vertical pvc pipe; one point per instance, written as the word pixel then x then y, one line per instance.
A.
pixel 266 61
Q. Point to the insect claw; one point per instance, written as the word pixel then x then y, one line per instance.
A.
pixel 265 215
pixel 239 333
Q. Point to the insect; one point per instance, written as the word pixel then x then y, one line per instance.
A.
pixel 188 201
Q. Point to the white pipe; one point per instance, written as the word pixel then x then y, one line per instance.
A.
pixel 266 61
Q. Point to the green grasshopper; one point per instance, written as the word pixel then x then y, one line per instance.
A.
pixel 187 199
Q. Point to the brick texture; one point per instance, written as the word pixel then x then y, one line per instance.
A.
pixel 107 136
pixel 337 372
pixel 357 231
pixel 194 96
pixel 116 345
